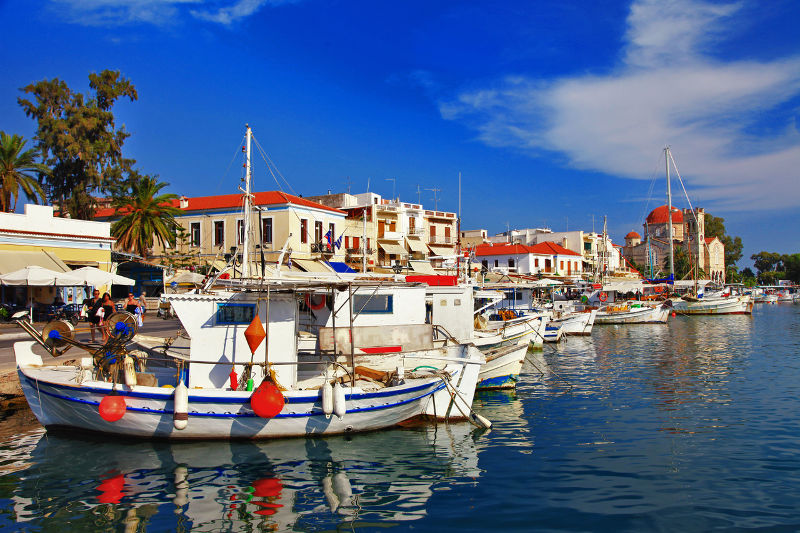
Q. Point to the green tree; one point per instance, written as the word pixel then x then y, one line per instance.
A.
pixel 791 262
pixel 715 227
pixel 16 168
pixel 78 138
pixel 146 216
pixel 765 261
pixel 684 268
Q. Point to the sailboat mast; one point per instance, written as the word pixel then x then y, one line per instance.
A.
pixel 247 209
pixel 669 217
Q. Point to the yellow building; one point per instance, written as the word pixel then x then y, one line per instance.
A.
pixel 36 237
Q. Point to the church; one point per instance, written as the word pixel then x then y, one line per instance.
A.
pixel 688 232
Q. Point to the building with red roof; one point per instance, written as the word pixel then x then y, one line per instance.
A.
pixel 542 258
pixel 214 226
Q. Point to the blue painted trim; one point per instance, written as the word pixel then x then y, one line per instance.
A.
pixel 211 399
pixel 497 382
pixel 436 389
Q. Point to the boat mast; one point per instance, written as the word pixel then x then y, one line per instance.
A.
pixel 247 209
pixel 669 217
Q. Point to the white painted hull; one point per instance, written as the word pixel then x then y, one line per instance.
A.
pixel 731 305
pixel 576 323
pixel 502 368
pixel 635 315
pixel 766 299
pixel 58 401
pixel 507 334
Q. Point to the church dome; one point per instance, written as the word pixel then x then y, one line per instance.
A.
pixel 633 235
pixel 659 215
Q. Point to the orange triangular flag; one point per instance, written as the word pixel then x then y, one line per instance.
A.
pixel 255 334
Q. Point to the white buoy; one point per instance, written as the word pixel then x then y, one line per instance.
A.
pixel 330 495
pixel 342 489
pixel 130 371
pixel 339 403
pixel 180 410
pixel 327 399
pixel 181 487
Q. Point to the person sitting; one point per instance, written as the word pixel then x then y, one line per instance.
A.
pixel 93 307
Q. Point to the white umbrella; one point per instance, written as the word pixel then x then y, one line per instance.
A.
pixel 96 277
pixel 39 276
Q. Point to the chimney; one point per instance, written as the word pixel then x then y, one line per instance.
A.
pixel 184 202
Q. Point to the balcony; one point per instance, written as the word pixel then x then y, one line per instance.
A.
pixel 434 239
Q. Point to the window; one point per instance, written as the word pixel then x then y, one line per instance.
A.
pixel 562 265
pixel 536 262
pixel 356 243
pixel 412 222
pixel 372 304
pixel 485 264
pixel 496 263
pixel 510 263
pixel 235 313
pixel 219 233
pixel 317 231
pixel 303 230
pixel 266 230
pixel 347 243
pixel 368 246
pixel 194 233
pixel 239 231
pixel 332 229
pixel 587 246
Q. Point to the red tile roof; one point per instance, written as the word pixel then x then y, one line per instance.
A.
pixel 633 235
pixel 551 248
pixel 228 201
pixel 659 215
pixel 543 248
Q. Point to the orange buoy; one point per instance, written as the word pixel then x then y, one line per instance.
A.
pixel 112 407
pixel 267 401
pixel 255 334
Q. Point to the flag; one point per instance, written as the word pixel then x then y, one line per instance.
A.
pixel 329 238
pixel 339 241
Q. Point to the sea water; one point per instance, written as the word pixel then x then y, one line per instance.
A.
pixel 690 426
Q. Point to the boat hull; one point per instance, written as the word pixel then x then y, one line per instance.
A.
pixel 733 305
pixel 57 401
pixel 637 315
pixel 502 369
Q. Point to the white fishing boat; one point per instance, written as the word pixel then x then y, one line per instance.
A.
pixel 502 368
pixel 249 329
pixel 634 313
pixel 574 322
pixel 727 305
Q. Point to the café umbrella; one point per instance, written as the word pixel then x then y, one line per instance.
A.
pixel 36 276
pixel 95 277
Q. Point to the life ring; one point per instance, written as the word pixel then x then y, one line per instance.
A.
pixel 312 303
pixel 603 296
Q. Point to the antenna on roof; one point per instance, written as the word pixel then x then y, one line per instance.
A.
pixel 435 198
pixel 394 182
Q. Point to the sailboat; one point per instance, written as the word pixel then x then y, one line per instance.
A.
pixel 689 305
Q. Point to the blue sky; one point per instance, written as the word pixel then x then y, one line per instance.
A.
pixel 554 112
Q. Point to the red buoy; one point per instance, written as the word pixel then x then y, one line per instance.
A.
pixel 112 408
pixel 673 314
pixel 267 401
pixel 267 487
pixel 111 489
pixel 234 379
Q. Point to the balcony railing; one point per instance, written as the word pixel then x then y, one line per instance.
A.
pixel 434 239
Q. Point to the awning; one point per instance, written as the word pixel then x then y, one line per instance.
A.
pixel 442 250
pixel 310 265
pixel 623 286
pixel 340 267
pixel 393 248
pixel 11 261
pixel 422 267
pixel 416 245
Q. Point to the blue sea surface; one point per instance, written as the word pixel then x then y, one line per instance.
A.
pixel 690 426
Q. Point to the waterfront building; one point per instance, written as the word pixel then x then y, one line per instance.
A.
pixel 688 232
pixel 392 232
pixel 37 237
pixel 214 226
pixel 546 258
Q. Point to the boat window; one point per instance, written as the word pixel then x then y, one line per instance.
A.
pixel 235 313
pixel 369 304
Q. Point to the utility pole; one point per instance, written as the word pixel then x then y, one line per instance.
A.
pixel 348 182
pixel 419 195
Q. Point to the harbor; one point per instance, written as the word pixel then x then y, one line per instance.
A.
pixel 648 427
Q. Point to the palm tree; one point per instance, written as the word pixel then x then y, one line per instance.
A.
pixel 16 167
pixel 146 216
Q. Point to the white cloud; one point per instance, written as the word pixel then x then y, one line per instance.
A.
pixel 159 12
pixel 667 91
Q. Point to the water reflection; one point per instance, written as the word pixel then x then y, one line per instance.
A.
pixel 309 484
